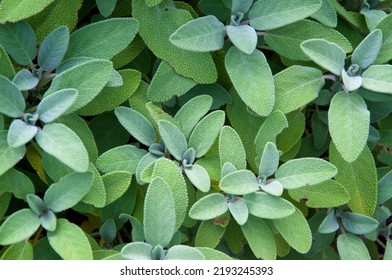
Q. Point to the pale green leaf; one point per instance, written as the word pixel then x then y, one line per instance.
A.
pixel 239 210
pixel 273 187
pixel 241 6
pixel 17 183
pixel 239 183
pixel 116 184
pixel 12 102
pixel 25 80
pixel 329 224
pixel 269 160
pixel 19 133
pixel 209 234
pixel 378 78
pixel 367 51
pixel 385 188
pixel 209 207
pixel 9 156
pixel 173 138
pixel 348 120
pixel 19 251
pixel 16 10
pixel 203 34
pixel 351 83
pixel 36 204
pixel 252 78
pixel 53 48
pixel 48 220
pixel 357 223
pixel 351 247
pixel 137 251
pixel 182 252
pixel 243 37
pixel 211 254
pixel 231 148
pixel 326 14
pixel 56 104
pixel 264 205
pixel 199 177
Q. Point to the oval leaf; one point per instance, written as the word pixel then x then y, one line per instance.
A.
pixel 199 177
pixel 351 247
pixel 173 138
pixel 12 102
pixel 243 37
pixel 367 51
pixel 239 210
pixel 239 183
pixel 209 207
pixel 137 251
pixel 9 156
pixel 378 78
pixel 231 148
pixel 19 133
pixel 56 104
pixel 182 252
pixel 357 223
pixel 267 206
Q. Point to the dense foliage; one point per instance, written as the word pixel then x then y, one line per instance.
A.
pixel 225 129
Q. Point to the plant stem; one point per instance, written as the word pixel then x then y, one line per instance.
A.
pixel 330 77
pixel 379 242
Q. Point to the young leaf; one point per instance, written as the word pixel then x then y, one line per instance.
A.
pixel 239 183
pixel 239 211
pixel 206 131
pixel 351 83
pixel 17 183
pixel 62 143
pixel 56 104
pixel 264 205
pixel 182 252
pixel 9 156
pixel 18 40
pixel 48 220
pixel 359 178
pixel 227 168
pixel 328 55
pixel 348 120
pixel 295 230
pixel 19 226
pixel 378 78
pixel 329 224
pixel 159 214
pixel 203 34
pixel 36 204
pixel 252 78
pixel 209 207
pixel 243 37
pixel 357 223
pixel 273 187
pixel 241 6
pixel 199 177
pixel 19 133
pixel 367 51
pixel 173 138
pixel 298 173
pixel 70 242
pixel 137 251
pixel 12 102
pixel 68 191
pixel 351 247
pixel 136 124
pixel 53 49
pixel 106 7
pixel 25 80
pixel 231 148
pixel 271 14
pixel 256 229
pixel 269 160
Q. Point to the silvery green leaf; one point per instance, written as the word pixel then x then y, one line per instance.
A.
pixel 189 156
pixel 19 133
pixel 56 104
pixel 227 168
pixel 173 138
pixel 12 103
pixel 25 80
pixel 328 55
pixel 274 187
pixel 137 228
pixel 351 247
pixel 367 51
pixel 357 223
pixel 241 6
pixel 36 204
pixel 145 162
pixel 115 79
pixel 378 78
pixel 209 207
pixel 48 221
pixel 385 188
pixel 243 37
pixel 182 252
pixel 351 82
pixel 9 156
pixel 17 183
pixel 329 224
pixel 136 124
pixel 266 206
pixel 269 160
pixel 373 17
pixel 231 148
pixel 106 7
pixel 239 210
pixel 108 231
pixel 53 49
pixel 203 34
pixel 199 177
pixel 326 14
pixel 137 251
pixel 239 183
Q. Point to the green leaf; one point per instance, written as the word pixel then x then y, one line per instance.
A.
pixel 56 104
pixel 36 204
pixel 348 120
pixel 152 3
pixel 9 156
pixel 121 158
pixel 241 6
pixel 329 224
pixel 19 133
pixel 70 242
pixel 12 102
pixel 137 228
pixel 273 187
pixel 87 78
pixel 324 195
pixel 166 83
pixel 159 213
pixel 296 86
pixel 264 205
pixel 239 210
pixel 53 48
pixel 106 7
pixel 286 40
pixel 136 124
pixel 359 178
pixel 298 173
pixel 18 40
pixel 243 37
pixel 17 183
pixel 239 183
pixel 326 14
pixel 191 113
pixel 367 51
pixel 372 17
pixel 328 55
pixel 62 143
pixel 385 188
pixel 209 234
pixel 269 160
pixel 378 78
pixel 252 78
pixel 156 26
pixel 182 252
pixel 209 207
pixel 173 138
pixel 351 247
pixel 271 14
pixel 6 67
pixel 351 83
pixel 137 251
pixel 103 39
pixel 19 226
pixel 357 223
pixel 199 177
pixel 19 251
pixel 295 230
pixel 231 148
pixel 68 191
pixel 25 80
pixel 203 34
pixel 116 184
pixel 206 131
pixel 255 230
pixel 216 8
pixel 48 221
pixel 16 10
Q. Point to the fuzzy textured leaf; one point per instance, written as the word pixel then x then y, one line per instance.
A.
pixel 367 51
pixel 53 48
pixel 378 78
pixel 16 10
pixel 56 104
pixel 173 138
pixel 264 205
pixel 243 37
pixel 231 148
pixel 351 247
pixel 19 133
pixel 239 183
pixel 209 207
pixel 9 156
pixel 12 102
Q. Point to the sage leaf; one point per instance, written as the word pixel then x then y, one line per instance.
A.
pixel 56 104
pixel 367 51
pixel 36 204
pixel 19 251
pixel 48 221
pixel 241 6
pixel 264 205
pixel 269 160
pixel 25 80
pixel 9 156
pixel 351 247
pixel 351 83
pixel 106 7
pixel 329 224
pixel 239 183
pixel 384 188
pixel 137 251
pixel 209 207
pixel 378 78
pixel 12 102
pixel 16 10
pixel 199 177
pixel 274 187
pixel 17 183
pixel 173 138
pixel 182 252
pixel 357 223
pixel 231 149
pixel 239 210
pixel 20 133
pixel 243 37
